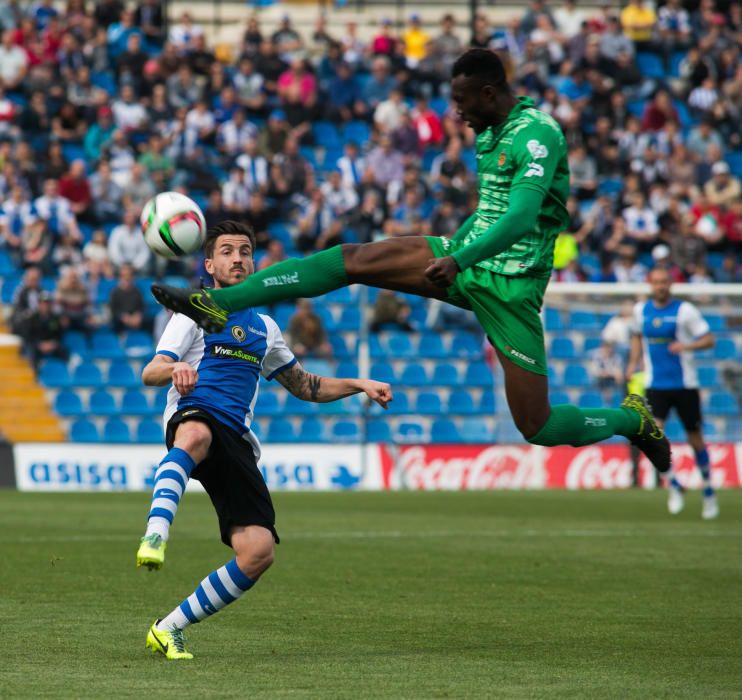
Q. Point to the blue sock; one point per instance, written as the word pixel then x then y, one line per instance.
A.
pixel 675 484
pixel 704 465
pixel 217 590
pixel 170 482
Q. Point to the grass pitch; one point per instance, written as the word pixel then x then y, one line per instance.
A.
pixel 383 595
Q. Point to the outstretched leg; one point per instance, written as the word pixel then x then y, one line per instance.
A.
pixel 396 263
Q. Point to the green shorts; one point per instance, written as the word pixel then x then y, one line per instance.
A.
pixel 507 307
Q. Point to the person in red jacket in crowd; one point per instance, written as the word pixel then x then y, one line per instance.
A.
pixel 427 123
pixel 658 112
pixel 74 186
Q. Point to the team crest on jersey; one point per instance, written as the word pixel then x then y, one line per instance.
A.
pixel 656 322
pixel 238 333
pixel 536 149
pixel 501 159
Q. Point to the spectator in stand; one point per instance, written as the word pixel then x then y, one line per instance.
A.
pixel 341 198
pixel 405 138
pixel 249 86
pixel 368 219
pixel 343 96
pixel 607 369
pixel 732 224
pixel 617 331
pixel 584 173
pixel 21 229
pixel 56 213
pixel 107 196
pixel 150 18
pixel 638 22
pixel 13 62
pixel 673 24
pixel 99 133
pixel 201 57
pixel 707 223
pixel 613 42
pixel 214 211
pixel 723 188
pixel 95 256
pixel 234 133
pixel 352 165
pixel 73 301
pixel 297 91
pixel 658 112
pixel 384 43
pixel 701 137
pixel 42 332
pixel 386 163
pixel 627 269
pixel 127 304
pixel 182 87
pixel 318 227
pixel 130 64
pixel 388 113
pixel 390 311
pixel 259 215
pixel 427 123
pixel 126 245
pixel 353 46
pixel 662 257
pixel 158 164
pixel 139 189
pixel 25 299
pixel 200 120
pixel 236 193
pixel 274 253
pixel 255 166
pixel 294 167
pixel 183 34
pixel 641 223
pixel 270 65
pixel 307 332
pixel 730 271
pixel 75 188
pixel 380 85
pixel 445 221
pixel 415 39
pixel 287 40
pixel 273 138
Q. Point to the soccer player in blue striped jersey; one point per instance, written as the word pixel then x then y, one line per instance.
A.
pixel 666 333
pixel 208 434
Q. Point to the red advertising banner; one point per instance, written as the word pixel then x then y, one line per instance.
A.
pixel 469 467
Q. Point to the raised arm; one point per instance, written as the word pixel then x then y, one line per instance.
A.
pixel 313 387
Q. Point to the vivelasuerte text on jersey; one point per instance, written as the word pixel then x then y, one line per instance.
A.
pixel 229 364
pixel 526 150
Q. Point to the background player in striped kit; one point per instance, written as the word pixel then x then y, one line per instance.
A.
pixel 208 416
pixel 666 333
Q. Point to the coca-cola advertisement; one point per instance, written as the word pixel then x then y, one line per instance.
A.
pixel 481 467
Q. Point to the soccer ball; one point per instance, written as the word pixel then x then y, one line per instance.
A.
pixel 173 225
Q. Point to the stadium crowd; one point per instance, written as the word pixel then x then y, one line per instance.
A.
pixel 317 139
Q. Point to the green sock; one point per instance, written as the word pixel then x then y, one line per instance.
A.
pixel 569 425
pixel 290 279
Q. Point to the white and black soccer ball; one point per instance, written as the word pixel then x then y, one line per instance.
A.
pixel 173 225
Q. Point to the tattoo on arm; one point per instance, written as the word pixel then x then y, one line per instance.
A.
pixel 301 383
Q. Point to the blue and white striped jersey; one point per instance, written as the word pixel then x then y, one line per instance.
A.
pixel 659 326
pixel 229 366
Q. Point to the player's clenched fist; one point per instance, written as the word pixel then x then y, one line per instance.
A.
pixel 442 271
pixel 184 378
pixel 377 391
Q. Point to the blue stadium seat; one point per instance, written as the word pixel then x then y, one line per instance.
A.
pixel 115 430
pixel 399 345
pixel 708 376
pixel 445 374
pixel 87 374
pixel 584 321
pixel 591 399
pixel 281 430
pixel 674 430
pixel 431 345
pixel 711 432
pixel 68 403
pixel 376 348
pixel 281 232
pixel 339 348
pixel 716 322
pixel 479 374
pixel 350 406
pixel 383 372
pixel 346 369
pixel 487 404
pixel 138 344
pixel 675 60
pixel 650 65
pixel 267 404
pixel 105 345
pixel 350 319
pixel 150 431
pixel 345 431
pixel 414 374
pixel 256 428
pixel 428 403
pixel 466 345
pixel 400 404
pixel 576 376
pixel 558 398
pixel 312 430
pixel 84 430
pixel 105 81
pixel 591 343
pixel 507 433
pixel 725 349
pixel 326 135
pixel 553 319
pixel 444 430
pixel 318 366
pixel 439 105
pixel 356 131
pixel 135 403
pixel 461 402
pixel 76 343
pixel 103 404
pixel 409 432
pixel 341 295
pixel 54 373
pixel 294 406
pixel 475 430
pixel 121 374
pixel 734 159
pixel 160 399
pixel 378 431
pixel 722 403
pixel 562 349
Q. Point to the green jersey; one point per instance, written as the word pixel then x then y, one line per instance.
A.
pixel 527 150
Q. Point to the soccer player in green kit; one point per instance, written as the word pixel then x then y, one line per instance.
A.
pixel 497 264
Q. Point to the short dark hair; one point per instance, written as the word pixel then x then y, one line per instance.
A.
pixel 480 63
pixel 227 228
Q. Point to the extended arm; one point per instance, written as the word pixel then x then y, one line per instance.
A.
pixel 312 387
pixel 703 343
pixel 634 355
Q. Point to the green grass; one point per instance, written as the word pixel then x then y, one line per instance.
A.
pixel 388 595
